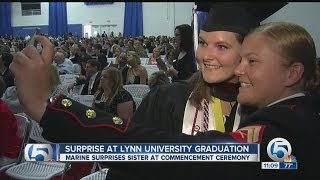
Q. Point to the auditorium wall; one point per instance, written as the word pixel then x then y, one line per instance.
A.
pixel 159 18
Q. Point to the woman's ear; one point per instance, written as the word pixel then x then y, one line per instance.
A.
pixel 294 74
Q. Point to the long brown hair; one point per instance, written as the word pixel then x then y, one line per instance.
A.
pixel 200 87
pixel 116 78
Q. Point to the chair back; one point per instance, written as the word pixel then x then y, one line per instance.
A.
pixel 137 101
pixel 67 79
pixel 151 69
pixel 36 133
pixel 137 90
pixel 99 175
pixel 84 99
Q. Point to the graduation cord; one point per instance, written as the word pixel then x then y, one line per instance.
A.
pixel 193 129
pixel 205 121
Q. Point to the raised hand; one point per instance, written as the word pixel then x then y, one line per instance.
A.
pixel 31 71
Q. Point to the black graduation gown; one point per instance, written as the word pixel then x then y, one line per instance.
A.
pixel 296 120
pixel 164 107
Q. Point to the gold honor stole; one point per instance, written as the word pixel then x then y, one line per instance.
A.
pixel 193 118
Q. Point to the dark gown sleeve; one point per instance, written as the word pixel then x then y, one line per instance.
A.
pixel 163 107
pixel 185 67
pixel 70 125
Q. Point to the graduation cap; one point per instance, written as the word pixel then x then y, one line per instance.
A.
pixel 203 6
pixel 238 17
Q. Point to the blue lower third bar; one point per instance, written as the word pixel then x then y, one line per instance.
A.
pixel 288 165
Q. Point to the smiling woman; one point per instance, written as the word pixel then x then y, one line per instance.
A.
pixel 278 68
pixel 290 113
pixel 111 96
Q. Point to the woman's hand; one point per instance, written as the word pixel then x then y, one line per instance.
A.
pixel 31 71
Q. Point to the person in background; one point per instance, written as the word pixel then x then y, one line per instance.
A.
pixel 114 45
pixel 116 54
pixel 137 74
pixel 96 49
pixel 157 79
pixel 74 54
pixel 139 49
pixel 103 61
pixel 62 65
pixel 111 97
pixel 92 78
pixel 83 62
pixel 75 59
pixel 155 59
pixel 121 64
pixel 184 65
pixel 5 60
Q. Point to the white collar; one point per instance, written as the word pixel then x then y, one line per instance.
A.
pixel 181 54
pixel 288 97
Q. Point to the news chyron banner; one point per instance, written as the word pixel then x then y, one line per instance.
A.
pixel 280 151
pixel 143 152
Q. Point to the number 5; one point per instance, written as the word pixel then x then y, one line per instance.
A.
pixel 42 150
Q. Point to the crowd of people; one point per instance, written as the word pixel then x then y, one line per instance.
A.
pixel 262 79
pixel 89 60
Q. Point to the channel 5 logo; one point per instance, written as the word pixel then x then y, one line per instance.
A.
pixel 41 152
pixel 279 150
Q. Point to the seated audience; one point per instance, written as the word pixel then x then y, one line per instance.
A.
pixel 116 54
pixel 103 61
pixel 111 97
pixel 155 59
pixel 62 65
pixel 92 78
pixel 137 74
pixel 5 60
pixel 74 53
pixel 141 51
pixel 157 79
pixel 121 64
pixel 84 58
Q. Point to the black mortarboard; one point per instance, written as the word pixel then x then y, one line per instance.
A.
pixel 238 17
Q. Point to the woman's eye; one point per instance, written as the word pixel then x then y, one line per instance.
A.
pixel 222 47
pixel 252 61
pixel 202 43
